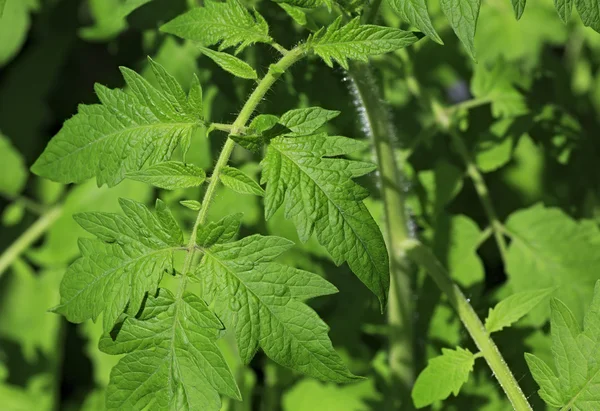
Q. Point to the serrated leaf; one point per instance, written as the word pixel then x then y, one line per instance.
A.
pixel 170 175
pixel 227 23
pixel 463 15
pixel 320 197
pixel 129 129
pixel 307 120
pixel 218 232
pixel 191 204
pixel 306 4
pixel 172 360
pixel 564 9
pixel 519 7
pixel 537 256
pixel 230 63
pixel 415 12
pixel 444 375
pixel 117 270
pixel 356 42
pixel 13 172
pixel 297 14
pixel 574 381
pixel 259 299
pixel 240 182
pixel 589 11
pixel 511 309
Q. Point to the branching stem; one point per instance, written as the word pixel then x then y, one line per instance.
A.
pixel 238 125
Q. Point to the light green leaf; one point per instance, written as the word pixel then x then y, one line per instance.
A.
pixel 240 182
pixel 311 395
pixel 227 23
pixel 494 148
pixel 109 17
pixel 115 272
pixel 259 299
pixel 462 15
pixel 511 309
pixel 415 12
pixel 191 204
pixel 218 232
pixel 172 359
pixel 550 249
pixel 589 11
pixel 564 9
pixel 356 42
pixel 519 7
pixel 307 120
pixel 230 63
pixel 13 214
pixel 14 25
pixel 295 13
pixel 320 197
pixel 170 175
pixel 119 136
pixel 444 375
pixel 498 85
pixel 574 382
pixel 13 172
pixel 306 4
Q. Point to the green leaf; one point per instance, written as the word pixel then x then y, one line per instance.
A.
pixel 307 120
pixel 13 172
pixel 2 4
pixel 306 4
pixel 415 12
pixel 444 375
pixel 462 15
pixel 564 8
pixel 172 360
pixel 110 17
pixel 260 300
pixel 14 25
pixel 191 204
pixel 320 197
pixel 119 136
pixel 219 232
pixel 227 23
pixel 498 85
pixel 170 175
pixel 295 13
pixel 230 63
pixel 356 42
pixel 574 381
pixel 115 272
pixel 589 11
pixel 240 182
pixel 311 395
pixel 13 214
pixel 511 309
pixel 550 249
pixel 519 7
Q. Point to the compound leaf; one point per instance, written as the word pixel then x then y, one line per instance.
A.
pixel 260 300
pixel 356 42
pixel 415 12
pixel 444 375
pixel 171 361
pixel 320 197
pixel 129 129
pixel 511 309
pixel 228 23
pixel 116 270
pixel 574 382
pixel 463 15
pixel 240 182
pixel 170 175
pixel 230 63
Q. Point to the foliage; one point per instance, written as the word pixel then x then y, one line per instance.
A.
pixel 222 226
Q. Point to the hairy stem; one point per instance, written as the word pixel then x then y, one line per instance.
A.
pixel 425 258
pixel 483 193
pixel 29 237
pixel 238 125
pixel 380 129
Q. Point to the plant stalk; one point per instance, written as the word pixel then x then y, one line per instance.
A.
pixel 425 258
pixel 238 125
pixel 379 128
pixel 29 237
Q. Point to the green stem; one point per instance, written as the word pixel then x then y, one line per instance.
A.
pixel 29 237
pixel 399 309
pixel 425 258
pixel 238 125
pixel 482 192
